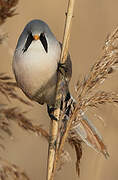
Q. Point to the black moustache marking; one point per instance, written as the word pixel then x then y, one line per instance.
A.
pixel 31 38
pixel 28 42
pixel 44 42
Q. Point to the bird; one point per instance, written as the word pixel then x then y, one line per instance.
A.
pixel 36 62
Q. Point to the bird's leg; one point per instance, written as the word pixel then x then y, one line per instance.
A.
pixel 63 70
pixel 50 110
pixel 65 107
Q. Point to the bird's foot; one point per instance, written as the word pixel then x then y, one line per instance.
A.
pixel 51 112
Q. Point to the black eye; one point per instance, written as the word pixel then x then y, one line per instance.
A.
pixel 28 42
pixel 44 41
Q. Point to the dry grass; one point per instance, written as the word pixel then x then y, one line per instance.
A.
pixel 88 95
pixel 7 9
pixel 87 89
pixel 8 89
pixel 11 171
pixel 77 145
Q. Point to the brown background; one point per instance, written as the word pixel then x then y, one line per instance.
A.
pixel 93 21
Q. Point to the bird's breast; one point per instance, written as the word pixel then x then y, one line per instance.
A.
pixel 37 72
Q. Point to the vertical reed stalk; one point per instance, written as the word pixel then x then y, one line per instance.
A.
pixel 55 123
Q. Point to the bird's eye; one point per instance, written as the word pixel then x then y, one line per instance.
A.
pixel 44 41
pixel 28 42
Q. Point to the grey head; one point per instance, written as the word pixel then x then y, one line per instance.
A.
pixel 33 30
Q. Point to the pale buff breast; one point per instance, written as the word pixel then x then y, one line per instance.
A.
pixel 36 74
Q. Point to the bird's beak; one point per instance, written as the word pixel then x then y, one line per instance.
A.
pixel 36 37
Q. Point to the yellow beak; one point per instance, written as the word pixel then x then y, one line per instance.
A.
pixel 36 37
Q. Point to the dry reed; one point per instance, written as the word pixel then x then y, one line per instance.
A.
pixel 53 145
pixel 88 95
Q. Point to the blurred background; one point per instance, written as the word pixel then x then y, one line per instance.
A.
pixel 93 21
